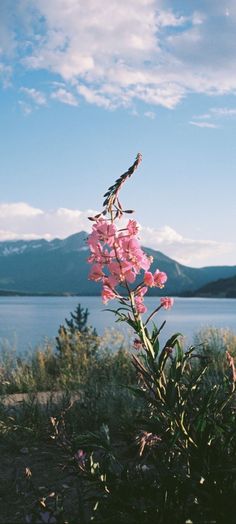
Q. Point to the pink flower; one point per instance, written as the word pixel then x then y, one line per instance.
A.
pixel 144 261
pixel 133 227
pixel 129 276
pixel 104 231
pixel 141 291
pixel 121 254
pixel 107 294
pixel 129 249
pixel 166 302
pixel 122 271
pixel 111 281
pixel 105 257
pixel 160 278
pixel 95 248
pixel 141 308
pixel 96 273
pixel 99 256
pixel 149 279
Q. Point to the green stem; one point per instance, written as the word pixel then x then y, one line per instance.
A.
pixel 152 314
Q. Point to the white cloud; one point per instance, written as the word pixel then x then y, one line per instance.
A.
pixel 150 114
pixel 36 96
pixel 10 235
pixel 217 112
pixel 20 218
pixel 223 112
pixel 64 96
pixel 204 116
pixel 22 221
pixel 18 209
pixel 94 97
pixel 69 214
pixel 5 74
pixel 156 237
pixel 208 125
pixel 169 19
pixel 25 108
pixel 118 53
pixel 186 250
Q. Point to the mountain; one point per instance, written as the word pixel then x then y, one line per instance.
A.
pixel 224 287
pixel 183 279
pixel 60 267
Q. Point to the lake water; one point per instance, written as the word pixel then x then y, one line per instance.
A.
pixel 27 321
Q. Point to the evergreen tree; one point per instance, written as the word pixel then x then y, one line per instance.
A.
pixel 76 345
pixel 79 321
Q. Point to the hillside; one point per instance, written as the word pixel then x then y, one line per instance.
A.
pixel 60 267
pixel 224 287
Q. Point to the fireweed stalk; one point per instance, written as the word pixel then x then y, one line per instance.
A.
pixel 117 260
pixel 171 385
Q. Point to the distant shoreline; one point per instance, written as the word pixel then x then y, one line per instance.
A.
pixel 187 294
pixel 27 294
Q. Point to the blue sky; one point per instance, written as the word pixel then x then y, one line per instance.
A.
pixel 85 86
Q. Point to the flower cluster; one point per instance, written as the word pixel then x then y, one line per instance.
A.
pixel 117 258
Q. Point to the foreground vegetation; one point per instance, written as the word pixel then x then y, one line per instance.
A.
pixel 97 446
pixel 147 435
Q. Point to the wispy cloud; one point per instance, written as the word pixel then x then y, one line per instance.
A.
pixel 20 220
pixel 36 96
pixel 128 51
pixel 204 116
pixel 25 108
pixel 5 74
pixel 150 114
pixel 214 114
pixel 223 112
pixel 64 96
pixel 207 125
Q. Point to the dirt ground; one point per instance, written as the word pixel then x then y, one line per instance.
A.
pixel 36 485
pixel 38 481
pixel 42 397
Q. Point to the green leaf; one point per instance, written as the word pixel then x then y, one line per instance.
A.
pixel 172 341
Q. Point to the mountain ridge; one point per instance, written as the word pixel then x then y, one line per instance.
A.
pixel 60 266
pixel 221 288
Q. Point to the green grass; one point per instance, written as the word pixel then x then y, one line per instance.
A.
pixel 161 453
